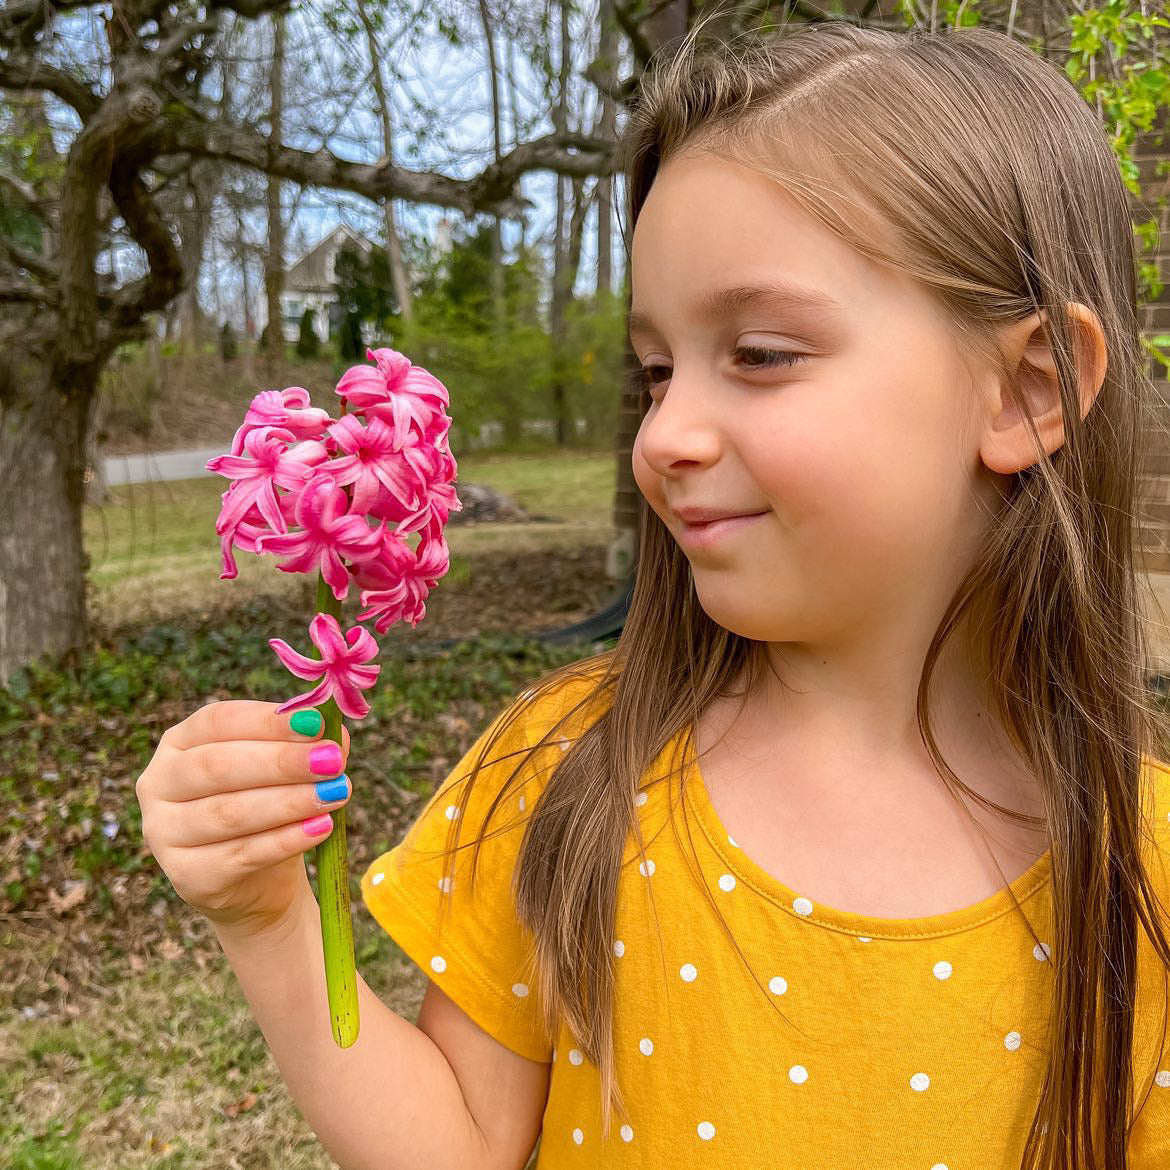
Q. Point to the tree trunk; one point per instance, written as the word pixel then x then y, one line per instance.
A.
pixel 562 273
pixel 403 293
pixel 499 302
pixel 274 257
pixel 607 52
pixel 669 21
pixel 42 561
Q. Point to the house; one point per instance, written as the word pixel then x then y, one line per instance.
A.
pixel 308 284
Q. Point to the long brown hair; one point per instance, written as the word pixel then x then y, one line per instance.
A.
pixel 997 190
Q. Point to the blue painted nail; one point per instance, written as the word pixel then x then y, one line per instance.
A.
pixel 330 790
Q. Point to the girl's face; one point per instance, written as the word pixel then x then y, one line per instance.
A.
pixel 844 413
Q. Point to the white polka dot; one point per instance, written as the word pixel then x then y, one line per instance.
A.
pixel 554 1056
pixel 727 882
pixel 777 986
pixel 641 799
pixel 689 972
pixel 798 1074
pixel 619 947
pixel 731 841
pixel 943 970
pixel 578 1136
pixel 646 868
pixel 802 906
pixel 446 884
pixel 1041 951
pixel 627 1134
pixel 863 938
pixel 920 1082
pixel 451 812
pixel 1162 1078
pixel 575 1056
pixel 438 963
pixel 645 1046
pixel 1012 1041
pixel 706 1130
pixel 521 802
pixel 377 879
pixel 939 1166
pixel 520 989
pixel 563 744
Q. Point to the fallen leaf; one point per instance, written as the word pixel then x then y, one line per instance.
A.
pixel 169 949
pixel 75 894
pixel 241 1106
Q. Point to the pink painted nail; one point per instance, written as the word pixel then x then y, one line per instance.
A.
pixel 315 826
pixel 325 759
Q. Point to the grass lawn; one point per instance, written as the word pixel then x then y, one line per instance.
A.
pixel 154 551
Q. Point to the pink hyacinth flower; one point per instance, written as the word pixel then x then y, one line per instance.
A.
pixel 405 397
pixel 405 582
pixel 268 463
pixel 371 463
pixel 287 408
pixel 342 675
pixel 328 532
pixel 434 499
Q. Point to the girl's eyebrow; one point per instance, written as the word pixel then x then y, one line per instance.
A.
pixel 781 295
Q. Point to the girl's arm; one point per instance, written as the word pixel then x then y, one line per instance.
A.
pixel 393 1099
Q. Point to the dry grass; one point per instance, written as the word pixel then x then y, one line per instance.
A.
pixel 159 1062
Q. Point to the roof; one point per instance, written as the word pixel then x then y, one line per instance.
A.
pixel 311 272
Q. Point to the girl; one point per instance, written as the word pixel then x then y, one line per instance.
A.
pixel 852 851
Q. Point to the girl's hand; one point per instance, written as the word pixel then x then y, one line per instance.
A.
pixel 225 802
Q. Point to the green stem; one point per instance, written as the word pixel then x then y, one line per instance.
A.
pixel 333 882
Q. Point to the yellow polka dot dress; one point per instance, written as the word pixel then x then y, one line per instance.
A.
pixel 842 1041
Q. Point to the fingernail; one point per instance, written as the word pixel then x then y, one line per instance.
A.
pixel 306 722
pixel 315 826
pixel 325 759
pixel 330 790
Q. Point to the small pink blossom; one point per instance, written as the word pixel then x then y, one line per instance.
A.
pixel 329 531
pixel 269 463
pixel 406 580
pixel 372 462
pixel 288 408
pixel 339 669
pixel 404 396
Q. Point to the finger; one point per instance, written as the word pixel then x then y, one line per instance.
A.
pixel 210 768
pixel 237 719
pixel 227 816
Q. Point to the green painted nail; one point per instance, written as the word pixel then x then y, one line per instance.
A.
pixel 306 722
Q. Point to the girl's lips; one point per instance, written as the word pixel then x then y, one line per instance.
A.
pixel 710 533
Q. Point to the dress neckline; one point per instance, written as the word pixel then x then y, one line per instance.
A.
pixel 865 926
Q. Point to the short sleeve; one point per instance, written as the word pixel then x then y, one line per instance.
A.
pixel 1149 1140
pixel 478 953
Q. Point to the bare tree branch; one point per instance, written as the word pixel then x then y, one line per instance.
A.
pixel 493 191
pixel 164 280
pixel 21 290
pixel 27 196
pixel 20 74
pixel 28 261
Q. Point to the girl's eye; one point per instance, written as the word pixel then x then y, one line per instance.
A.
pixel 757 357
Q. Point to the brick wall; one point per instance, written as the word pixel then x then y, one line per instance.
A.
pixel 1153 528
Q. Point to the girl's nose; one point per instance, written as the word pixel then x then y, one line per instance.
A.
pixel 681 427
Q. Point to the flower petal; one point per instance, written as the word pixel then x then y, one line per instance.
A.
pixel 296 662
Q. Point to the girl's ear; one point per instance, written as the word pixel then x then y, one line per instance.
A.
pixel 1007 444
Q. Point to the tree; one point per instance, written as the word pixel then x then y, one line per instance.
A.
pixel 141 114
pixel 308 343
